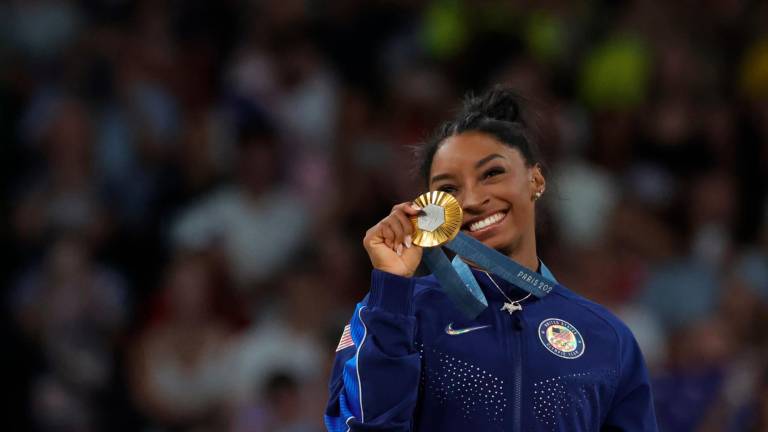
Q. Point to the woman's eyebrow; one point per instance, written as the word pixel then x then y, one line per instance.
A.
pixel 440 177
pixel 478 164
pixel 487 159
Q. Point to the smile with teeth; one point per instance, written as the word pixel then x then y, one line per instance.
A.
pixel 490 220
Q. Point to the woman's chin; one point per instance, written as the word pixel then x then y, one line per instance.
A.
pixel 502 238
pixel 502 243
pixel 494 242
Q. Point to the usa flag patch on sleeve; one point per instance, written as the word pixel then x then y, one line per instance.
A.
pixel 346 339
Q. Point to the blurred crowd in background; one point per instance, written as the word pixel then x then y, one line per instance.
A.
pixel 186 185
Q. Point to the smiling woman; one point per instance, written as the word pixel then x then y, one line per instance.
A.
pixel 488 160
pixel 410 361
pixel 497 188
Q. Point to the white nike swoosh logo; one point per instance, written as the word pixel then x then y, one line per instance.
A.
pixel 454 332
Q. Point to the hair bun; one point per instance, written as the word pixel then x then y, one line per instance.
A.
pixel 500 113
pixel 498 103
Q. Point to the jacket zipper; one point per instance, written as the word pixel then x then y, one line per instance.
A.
pixel 517 379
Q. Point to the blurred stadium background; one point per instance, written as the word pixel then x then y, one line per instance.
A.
pixel 186 185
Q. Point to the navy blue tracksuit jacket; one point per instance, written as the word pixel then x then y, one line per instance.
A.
pixel 410 361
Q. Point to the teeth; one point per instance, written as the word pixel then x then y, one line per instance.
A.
pixel 490 220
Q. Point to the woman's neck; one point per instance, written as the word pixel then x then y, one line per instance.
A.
pixel 527 259
pixel 524 252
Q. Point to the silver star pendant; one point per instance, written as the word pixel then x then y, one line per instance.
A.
pixel 511 307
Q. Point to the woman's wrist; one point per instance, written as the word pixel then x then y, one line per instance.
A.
pixel 391 292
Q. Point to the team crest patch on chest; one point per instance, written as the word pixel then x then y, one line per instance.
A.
pixel 561 338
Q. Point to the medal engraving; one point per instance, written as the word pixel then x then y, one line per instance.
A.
pixel 432 219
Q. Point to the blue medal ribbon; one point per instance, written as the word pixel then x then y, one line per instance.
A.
pixel 457 289
pixel 495 262
pixel 459 284
pixel 439 221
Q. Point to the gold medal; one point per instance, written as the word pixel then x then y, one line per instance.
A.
pixel 440 221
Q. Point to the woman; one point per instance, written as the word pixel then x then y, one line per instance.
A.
pixel 409 360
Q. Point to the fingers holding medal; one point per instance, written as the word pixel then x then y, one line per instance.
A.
pixel 394 244
pixel 389 242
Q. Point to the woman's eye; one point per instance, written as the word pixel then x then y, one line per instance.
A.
pixel 447 189
pixel 493 172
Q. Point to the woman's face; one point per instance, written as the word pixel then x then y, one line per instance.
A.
pixel 494 186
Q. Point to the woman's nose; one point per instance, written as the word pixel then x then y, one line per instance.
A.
pixel 474 200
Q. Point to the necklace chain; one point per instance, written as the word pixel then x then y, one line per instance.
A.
pixel 510 306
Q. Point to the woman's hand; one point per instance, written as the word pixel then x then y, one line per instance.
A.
pixel 388 243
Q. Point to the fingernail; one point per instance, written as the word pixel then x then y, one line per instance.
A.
pixel 400 249
pixel 408 241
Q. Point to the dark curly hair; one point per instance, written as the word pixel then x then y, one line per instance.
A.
pixel 500 113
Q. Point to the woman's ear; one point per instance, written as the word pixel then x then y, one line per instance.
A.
pixel 538 183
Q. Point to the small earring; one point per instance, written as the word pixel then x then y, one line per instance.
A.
pixel 538 195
